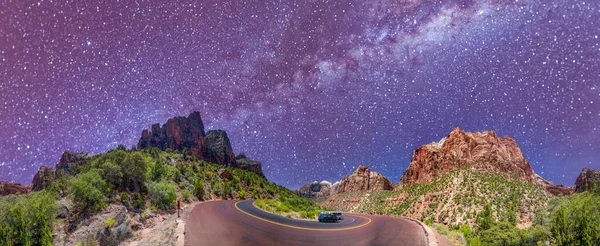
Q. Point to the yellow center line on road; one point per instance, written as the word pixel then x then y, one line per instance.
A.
pixel 305 228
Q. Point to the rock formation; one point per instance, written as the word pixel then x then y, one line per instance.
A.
pixel 364 179
pixel 318 191
pixel 480 151
pixel 179 133
pixel 187 134
pixel 70 160
pixel 219 147
pixel 243 162
pixel 588 178
pixel 43 178
pixel 8 188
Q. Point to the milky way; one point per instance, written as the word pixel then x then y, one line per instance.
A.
pixel 311 89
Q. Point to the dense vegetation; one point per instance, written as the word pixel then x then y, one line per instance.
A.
pixel 457 198
pixel 572 220
pixel 143 181
pixel 27 219
pixel 291 206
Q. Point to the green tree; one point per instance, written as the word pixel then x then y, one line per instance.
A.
pixel 584 229
pixel 134 169
pixel 87 190
pixel 158 171
pixel 485 219
pixel 199 189
pixel 560 228
pixel 162 194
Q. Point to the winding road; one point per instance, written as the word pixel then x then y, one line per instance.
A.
pixel 241 223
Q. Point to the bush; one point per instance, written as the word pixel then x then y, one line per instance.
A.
pixel 162 194
pixel 27 219
pixel 124 198
pixel 199 189
pixel 186 195
pixel 242 194
pixel 87 191
pixel 109 222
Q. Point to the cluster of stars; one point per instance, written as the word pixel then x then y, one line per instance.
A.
pixel 311 89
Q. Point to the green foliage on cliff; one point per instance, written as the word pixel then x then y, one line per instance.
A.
pixel 27 219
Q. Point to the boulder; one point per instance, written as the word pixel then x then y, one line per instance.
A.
pixel 225 174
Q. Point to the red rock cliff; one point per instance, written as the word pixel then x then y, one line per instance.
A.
pixel 480 151
pixel 364 179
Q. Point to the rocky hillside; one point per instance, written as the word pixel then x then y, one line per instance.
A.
pixel 186 134
pixel 482 152
pixel 587 179
pixel 317 191
pixel 459 196
pixel 364 179
pixel 122 195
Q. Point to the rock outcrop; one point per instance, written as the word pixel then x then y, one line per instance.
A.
pixel 67 165
pixel 179 133
pixel 588 178
pixel 364 179
pixel 43 178
pixel 9 188
pixel 187 134
pixel 219 147
pixel 69 161
pixel 243 162
pixel 225 174
pixel 480 151
pixel 318 191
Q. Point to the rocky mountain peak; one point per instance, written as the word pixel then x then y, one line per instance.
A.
pixel 480 151
pixel 187 134
pixel 364 179
pixel 587 179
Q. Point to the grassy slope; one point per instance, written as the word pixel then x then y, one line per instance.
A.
pixel 453 200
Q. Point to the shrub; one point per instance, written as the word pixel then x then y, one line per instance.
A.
pixel 186 195
pixel 158 171
pixel 162 194
pixel 124 197
pixel 199 189
pixel 87 191
pixel 27 219
pixel 242 194
pixel 109 222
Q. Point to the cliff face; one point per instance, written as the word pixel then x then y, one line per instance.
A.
pixel 588 178
pixel 481 152
pixel 364 179
pixel 69 161
pixel 318 191
pixel 8 188
pixel 179 133
pixel 187 134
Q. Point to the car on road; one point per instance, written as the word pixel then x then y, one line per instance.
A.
pixel 339 215
pixel 327 217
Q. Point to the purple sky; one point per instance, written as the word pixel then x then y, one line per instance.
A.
pixel 311 89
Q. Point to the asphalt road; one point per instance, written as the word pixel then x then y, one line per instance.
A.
pixel 240 223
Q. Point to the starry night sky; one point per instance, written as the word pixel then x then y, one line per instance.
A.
pixel 311 89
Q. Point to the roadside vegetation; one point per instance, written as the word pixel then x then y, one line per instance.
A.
pixel 147 182
pixel 290 206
